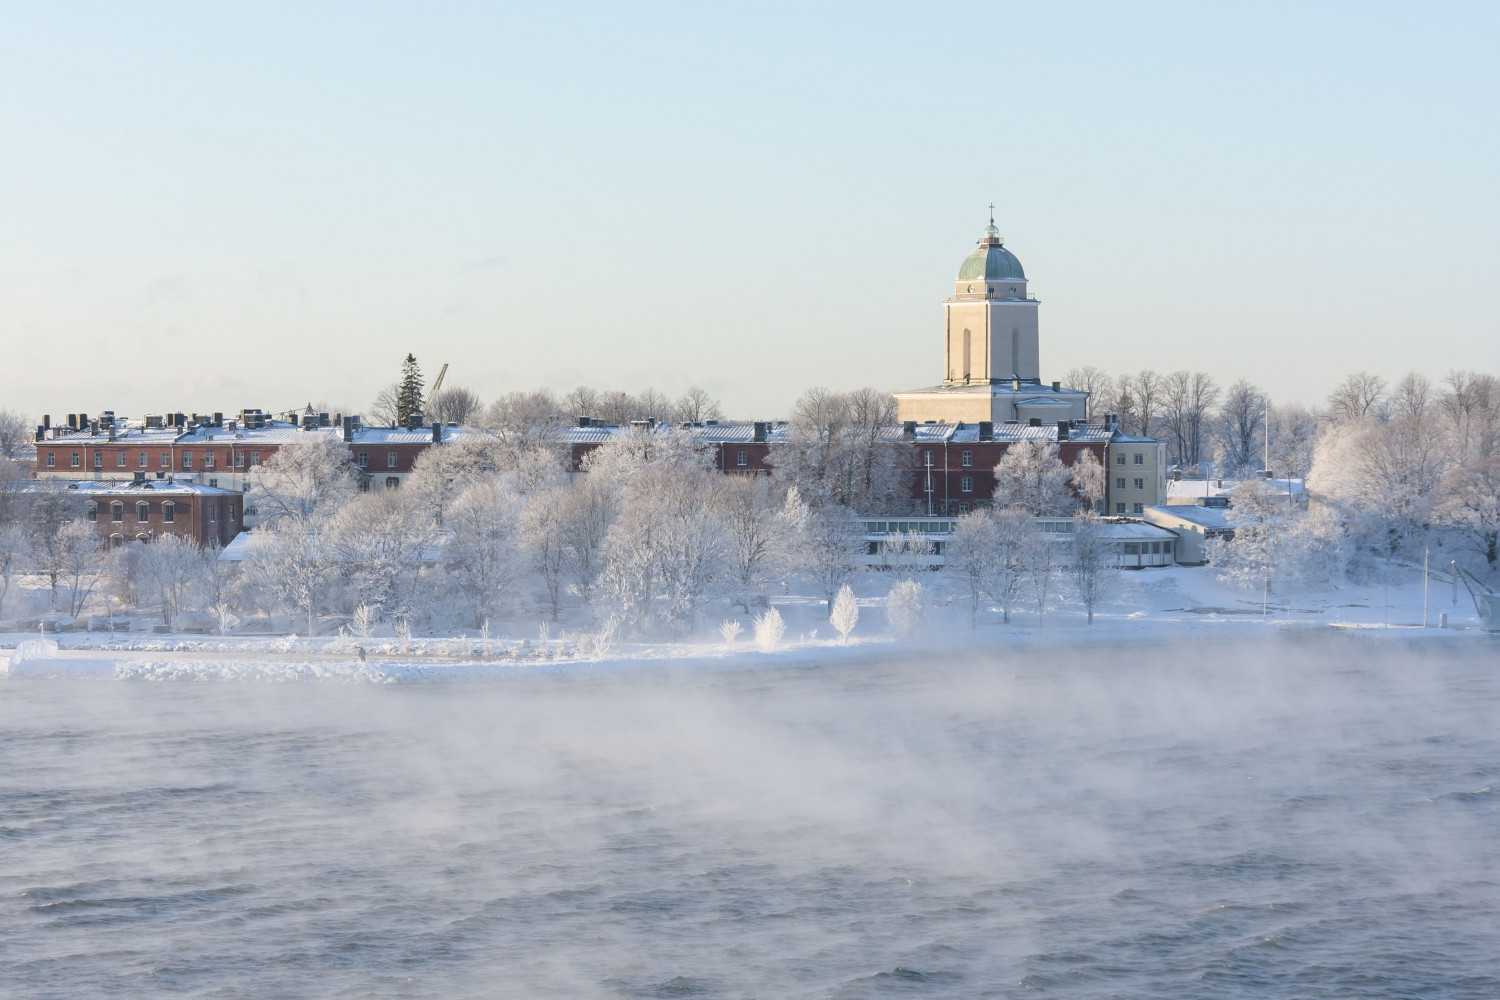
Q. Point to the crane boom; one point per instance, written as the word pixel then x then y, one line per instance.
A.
pixel 437 383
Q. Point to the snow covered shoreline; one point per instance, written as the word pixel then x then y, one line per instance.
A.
pixel 235 660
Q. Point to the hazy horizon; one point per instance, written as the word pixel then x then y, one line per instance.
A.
pixel 271 205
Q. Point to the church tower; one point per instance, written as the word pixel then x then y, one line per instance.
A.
pixel 991 350
pixel 990 324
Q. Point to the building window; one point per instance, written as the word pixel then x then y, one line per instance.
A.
pixel 166 460
pixel 214 483
pixel 1120 459
pixel 967 459
pixel 93 512
pixel 117 512
pixel 208 460
pixel 239 459
pixel 966 484
pixel 231 512
pixel 1119 508
pixel 390 460
pixel 364 460
pixel 98 459
pixel 143 511
pixel 927 459
pixel 1120 483
pixel 73 460
pixel 187 460
pixel 364 485
pixel 254 459
pixel 391 482
pixel 212 508
pixel 1140 460
pixel 742 458
pixel 963 508
pixel 51 460
pixel 1140 508
pixel 1132 548
pixel 168 512
pixel 141 459
pixel 120 459
pixel 1140 484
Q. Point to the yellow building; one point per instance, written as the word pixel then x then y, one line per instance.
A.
pixel 991 350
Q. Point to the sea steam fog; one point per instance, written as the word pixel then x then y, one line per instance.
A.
pixel 1210 820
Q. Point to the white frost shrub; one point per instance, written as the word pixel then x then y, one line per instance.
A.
pixel 845 613
pixel 769 628
pixel 905 605
pixel 730 630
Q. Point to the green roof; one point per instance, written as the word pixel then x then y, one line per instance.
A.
pixel 991 263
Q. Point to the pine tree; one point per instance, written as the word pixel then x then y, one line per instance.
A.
pixel 409 391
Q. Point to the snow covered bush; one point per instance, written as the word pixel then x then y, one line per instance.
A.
pixel 905 606
pixel 845 613
pixel 730 630
pixel 769 628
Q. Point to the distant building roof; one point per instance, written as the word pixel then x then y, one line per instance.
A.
pixel 1203 517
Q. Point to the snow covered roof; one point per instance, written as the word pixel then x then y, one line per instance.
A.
pixel 1204 517
pixel 1196 488
pixel 119 487
pixel 1133 530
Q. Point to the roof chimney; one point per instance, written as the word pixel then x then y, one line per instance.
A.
pixel 437 432
pixel 1057 387
pixel 759 430
pixel 1034 422
pixel 909 430
pixel 47 421
pixel 1062 430
pixel 986 430
pixel 414 422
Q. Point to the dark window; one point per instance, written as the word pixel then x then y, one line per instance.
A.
pixel 390 460
pixel 966 484
pixel 1140 484
pixel 208 460
pixel 166 460
pixel 143 511
pixel 117 512
pixel 1119 508
pixel 255 458
pixel 73 460
pixel 168 512
pixel 391 482
pixel 364 460
pixel 98 460
pixel 967 459
pixel 742 458
pixel 51 459
pixel 1119 459
pixel 187 460
pixel 93 512
pixel 1132 549
pixel 1140 508
pixel 120 459
pixel 1120 483
pixel 141 459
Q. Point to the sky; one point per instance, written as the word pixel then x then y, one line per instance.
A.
pixel 209 207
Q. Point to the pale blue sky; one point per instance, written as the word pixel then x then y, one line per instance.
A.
pixel 209 206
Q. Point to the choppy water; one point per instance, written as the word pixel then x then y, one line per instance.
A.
pixel 1215 821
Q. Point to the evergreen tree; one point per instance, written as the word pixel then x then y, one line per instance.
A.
pixel 409 391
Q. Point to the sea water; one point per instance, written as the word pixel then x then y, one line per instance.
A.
pixel 1236 819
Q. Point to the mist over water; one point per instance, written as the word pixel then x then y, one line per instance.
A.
pixel 1243 819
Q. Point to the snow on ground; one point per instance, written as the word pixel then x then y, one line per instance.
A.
pixel 1148 606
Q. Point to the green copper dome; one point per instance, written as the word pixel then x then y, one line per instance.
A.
pixel 991 262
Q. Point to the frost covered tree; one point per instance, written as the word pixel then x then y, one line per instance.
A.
pixel 1294 436
pixel 1359 397
pixel 381 541
pixel 15 552
pixel 1278 544
pixel 80 562
pixel 696 406
pixel 1382 475
pixel 836 451
pixel 543 538
pixel 905 606
pixel 1041 557
pixel 755 531
pixel 969 555
pixel 845 613
pixel 522 423
pixel 830 549
pixel 1469 504
pixel 408 390
pixel 1093 566
pixel 1241 429
pixel 15 428
pixel 165 573
pixel 1471 404
pixel 310 477
pixel 1031 477
pixel 454 404
pixel 289 564
pixel 1090 480
pixel 441 473
pixel 480 555
pixel 907 552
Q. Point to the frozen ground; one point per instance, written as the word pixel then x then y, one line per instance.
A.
pixel 1148 606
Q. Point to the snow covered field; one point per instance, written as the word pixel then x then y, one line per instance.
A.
pixel 1148 607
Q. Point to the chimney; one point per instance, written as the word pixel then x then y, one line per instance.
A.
pixel 1057 387
pixel 348 428
pixel 585 421
pixel 437 432
pixel 323 420
pixel 72 421
pixel 1034 422
pixel 759 431
pixel 414 422
pixel 986 430
pixel 41 433
pixel 47 421
pixel 218 419
pixel 909 430
pixel 1062 430
pixel 140 477
pixel 111 430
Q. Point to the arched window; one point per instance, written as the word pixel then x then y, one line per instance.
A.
pixel 168 512
pixel 116 540
pixel 117 512
pixel 93 511
pixel 143 511
pixel 143 537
